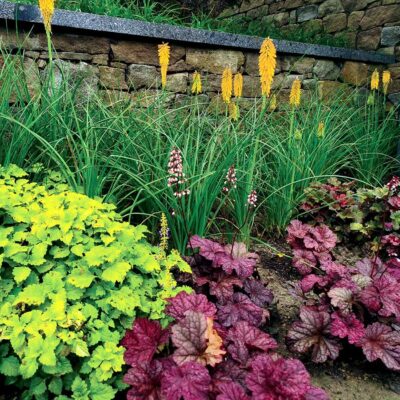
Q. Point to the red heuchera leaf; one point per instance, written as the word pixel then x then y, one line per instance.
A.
pixel 196 340
pixel 313 332
pixel 308 282
pixel 231 391
pixel 304 261
pixel 371 268
pixel 190 381
pixel 259 294
pixel 207 248
pixel 341 298
pixel 239 260
pixel 179 305
pixel 240 308
pixel 229 371
pixel 145 380
pixel 223 287
pixel 381 342
pixel 142 341
pixel 393 268
pixel 246 339
pixel 297 230
pixel 347 325
pixel 383 296
pixel 277 379
pixel 325 237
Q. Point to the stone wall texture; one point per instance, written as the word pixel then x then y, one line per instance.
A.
pixel 129 69
pixel 365 24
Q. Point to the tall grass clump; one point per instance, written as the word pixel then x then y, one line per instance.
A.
pixel 120 151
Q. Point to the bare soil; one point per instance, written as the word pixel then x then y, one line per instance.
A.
pixel 348 378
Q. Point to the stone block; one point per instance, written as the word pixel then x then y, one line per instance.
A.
pixel 78 43
pixel 355 73
pixel 307 13
pixel 281 19
pixel 313 27
pixel 395 71
pixel 143 76
pixel 100 59
pixel 379 16
pixel 251 86
pixel 293 4
pixel 390 36
pixel 259 12
pixel 10 40
pixel 330 7
pixel 354 20
pixel 283 81
pixel 67 55
pixel 143 53
pixel 330 90
pixel 214 61
pixel 250 4
pixel 335 23
pixel 112 78
pixel 394 87
pixel 326 70
pixel 355 5
pixel 369 40
pixel 302 65
pixel 276 7
pixel 178 83
pixel 70 73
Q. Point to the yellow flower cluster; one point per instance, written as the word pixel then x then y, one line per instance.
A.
pixel 197 86
pixel 227 85
pixel 233 111
pixel 295 93
pixel 375 80
pixel 164 236
pixel 164 55
pixel 238 85
pixel 386 79
pixel 267 66
pixel 47 10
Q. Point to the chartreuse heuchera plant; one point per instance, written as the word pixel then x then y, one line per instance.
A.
pixel 217 347
pixel 73 277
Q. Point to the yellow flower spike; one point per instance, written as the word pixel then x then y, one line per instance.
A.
pixel 375 80
pixel 227 85
pixel 164 233
pixel 321 130
pixel 238 85
pixel 47 11
pixel 295 93
pixel 386 79
pixel 298 134
pixel 164 55
pixel 234 111
pixel 197 86
pixel 267 66
pixel 273 103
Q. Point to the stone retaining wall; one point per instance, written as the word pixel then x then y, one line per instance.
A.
pixel 127 67
pixel 365 24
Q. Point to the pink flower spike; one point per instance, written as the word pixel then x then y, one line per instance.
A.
pixel 252 198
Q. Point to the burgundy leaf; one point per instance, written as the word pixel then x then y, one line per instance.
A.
pixel 231 391
pixel 341 298
pixel 304 261
pixel 325 237
pixel 383 296
pixel 207 248
pixel 381 342
pixel 179 305
pixel 347 325
pixel 142 341
pixel 277 379
pixel 297 230
pixel 371 268
pixel 229 371
pixel 259 294
pixel 196 340
pixel 223 287
pixel 145 381
pixel 246 340
pixel 239 260
pixel 190 381
pixel 313 332
pixel 240 308
pixel 308 282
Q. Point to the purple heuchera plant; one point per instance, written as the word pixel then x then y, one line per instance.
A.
pixel 360 305
pixel 217 347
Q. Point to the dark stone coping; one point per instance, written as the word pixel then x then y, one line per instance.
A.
pixel 84 23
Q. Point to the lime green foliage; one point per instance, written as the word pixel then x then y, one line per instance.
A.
pixel 72 279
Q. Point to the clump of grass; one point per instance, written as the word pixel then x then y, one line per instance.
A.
pixel 120 152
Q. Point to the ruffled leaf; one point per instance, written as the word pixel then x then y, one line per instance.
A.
pixel 258 293
pixel 347 325
pixel 231 391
